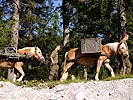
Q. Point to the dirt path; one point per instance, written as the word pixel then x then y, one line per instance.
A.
pixel 107 90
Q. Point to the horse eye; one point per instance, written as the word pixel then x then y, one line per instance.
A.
pixel 122 48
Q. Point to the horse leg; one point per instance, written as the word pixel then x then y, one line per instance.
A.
pixel 99 64
pixel 109 67
pixel 72 71
pixel 18 66
pixel 65 73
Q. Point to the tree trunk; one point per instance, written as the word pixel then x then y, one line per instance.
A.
pixel 14 35
pixel 30 22
pixel 66 35
pixel 122 15
pixel 123 23
pixel 30 29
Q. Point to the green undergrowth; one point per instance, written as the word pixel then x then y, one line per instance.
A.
pixel 118 77
pixel 2 79
pixel 51 84
pixel 42 83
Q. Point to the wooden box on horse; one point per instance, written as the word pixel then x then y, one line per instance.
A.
pixel 91 45
pixel 10 53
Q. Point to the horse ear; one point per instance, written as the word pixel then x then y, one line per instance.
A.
pixel 35 48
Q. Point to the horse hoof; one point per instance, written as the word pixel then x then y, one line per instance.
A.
pixel 97 79
pixel 19 80
pixel 73 78
pixel 62 80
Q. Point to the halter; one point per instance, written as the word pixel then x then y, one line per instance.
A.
pixel 119 47
pixel 35 51
pixel 38 56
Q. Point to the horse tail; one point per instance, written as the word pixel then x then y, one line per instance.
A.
pixel 65 58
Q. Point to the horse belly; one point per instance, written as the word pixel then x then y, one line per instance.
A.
pixel 87 61
pixel 5 64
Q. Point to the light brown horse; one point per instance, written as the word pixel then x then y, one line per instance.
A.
pixel 74 57
pixel 31 52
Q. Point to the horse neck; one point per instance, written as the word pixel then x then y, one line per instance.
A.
pixel 27 50
pixel 113 46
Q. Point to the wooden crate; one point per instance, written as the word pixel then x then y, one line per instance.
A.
pixel 91 45
pixel 11 53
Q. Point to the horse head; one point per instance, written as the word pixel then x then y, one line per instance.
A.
pixel 122 49
pixel 38 54
pixel 32 51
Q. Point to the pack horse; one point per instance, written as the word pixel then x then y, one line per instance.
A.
pixel 7 58
pixel 75 56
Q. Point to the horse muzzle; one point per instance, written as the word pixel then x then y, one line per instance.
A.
pixel 125 55
pixel 42 59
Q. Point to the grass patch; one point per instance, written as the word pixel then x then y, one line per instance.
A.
pixel 51 84
pixel 42 83
pixel 3 79
pixel 118 77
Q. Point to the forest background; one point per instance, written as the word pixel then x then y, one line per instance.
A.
pixel 43 23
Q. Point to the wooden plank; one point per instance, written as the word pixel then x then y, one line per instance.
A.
pixel 12 55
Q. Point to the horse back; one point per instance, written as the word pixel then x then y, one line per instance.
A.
pixel 106 50
pixel 21 51
pixel 75 55
pixel 72 54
